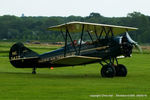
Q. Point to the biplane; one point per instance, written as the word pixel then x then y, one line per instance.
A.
pixel 107 44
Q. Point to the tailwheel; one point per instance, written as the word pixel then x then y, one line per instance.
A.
pixel 121 70
pixel 34 70
pixel 108 71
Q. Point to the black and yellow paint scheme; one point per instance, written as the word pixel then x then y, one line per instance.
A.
pixel 105 49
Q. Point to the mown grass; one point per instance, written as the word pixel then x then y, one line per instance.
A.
pixel 74 83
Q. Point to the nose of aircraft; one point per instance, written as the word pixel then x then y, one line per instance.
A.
pixel 133 42
pixel 127 45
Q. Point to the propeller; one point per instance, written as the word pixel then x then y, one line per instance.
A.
pixel 133 42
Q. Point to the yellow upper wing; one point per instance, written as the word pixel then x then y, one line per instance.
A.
pixel 91 27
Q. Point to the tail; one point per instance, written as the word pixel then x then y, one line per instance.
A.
pixel 22 57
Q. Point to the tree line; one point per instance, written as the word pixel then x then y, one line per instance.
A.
pixel 15 28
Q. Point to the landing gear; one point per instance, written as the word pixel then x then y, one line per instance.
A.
pixel 34 70
pixel 111 70
pixel 121 70
pixel 108 71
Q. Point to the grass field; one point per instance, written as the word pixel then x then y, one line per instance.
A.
pixel 73 83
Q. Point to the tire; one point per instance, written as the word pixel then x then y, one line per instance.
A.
pixel 121 70
pixel 108 71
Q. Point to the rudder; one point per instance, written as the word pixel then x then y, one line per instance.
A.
pixel 22 57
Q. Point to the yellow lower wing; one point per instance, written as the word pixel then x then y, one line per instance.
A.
pixel 76 60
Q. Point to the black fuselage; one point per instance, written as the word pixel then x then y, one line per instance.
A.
pixel 103 48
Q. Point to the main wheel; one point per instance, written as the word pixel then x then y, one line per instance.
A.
pixel 121 70
pixel 108 71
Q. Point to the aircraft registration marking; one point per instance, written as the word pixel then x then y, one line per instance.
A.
pixel 14 53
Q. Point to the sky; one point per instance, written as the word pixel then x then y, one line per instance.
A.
pixel 107 8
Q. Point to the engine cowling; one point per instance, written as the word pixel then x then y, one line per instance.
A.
pixel 126 47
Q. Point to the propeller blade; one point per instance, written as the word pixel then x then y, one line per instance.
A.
pixel 138 47
pixel 130 39
pixel 133 42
